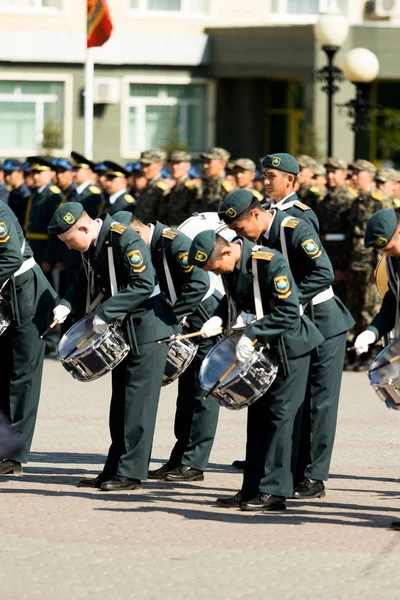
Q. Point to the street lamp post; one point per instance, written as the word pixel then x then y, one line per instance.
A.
pixel 331 31
pixel 360 66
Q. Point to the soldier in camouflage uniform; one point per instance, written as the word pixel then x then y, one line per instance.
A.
pixel 244 171
pixel 150 198
pixel 215 186
pixel 308 191
pixel 320 179
pixel 385 183
pixel 362 294
pixel 331 212
pixel 396 190
pixel 180 201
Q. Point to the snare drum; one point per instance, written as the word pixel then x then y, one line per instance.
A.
pixel 97 356
pixel 179 356
pixel 5 315
pixel 384 375
pixel 245 384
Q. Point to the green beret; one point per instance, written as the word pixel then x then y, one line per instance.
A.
pixel 235 204
pixel 123 216
pixel 380 228
pixel 65 216
pixel 281 162
pixel 201 248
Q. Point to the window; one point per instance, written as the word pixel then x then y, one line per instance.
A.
pixel 166 116
pixel 191 7
pixel 31 116
pixel 21 5
pixel 300 8
pixel 285 122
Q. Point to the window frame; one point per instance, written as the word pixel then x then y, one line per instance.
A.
pixel 37 9
pixel 160 80
pixel 144 13
pixel 67 80
pixel 297 19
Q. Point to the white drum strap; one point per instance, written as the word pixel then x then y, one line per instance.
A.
pixel 22 252
pixel 283 238
pixel 111 271
pixel 256 287
pixel 170 284
pixel 95 302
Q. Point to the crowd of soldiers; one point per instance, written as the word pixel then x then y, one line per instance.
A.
pixel 343 197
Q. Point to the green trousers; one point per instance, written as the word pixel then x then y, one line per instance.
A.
pixel 273 424
pixel 136 385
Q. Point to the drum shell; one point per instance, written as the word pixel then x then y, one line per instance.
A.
pixel 384 375
pixel 179 356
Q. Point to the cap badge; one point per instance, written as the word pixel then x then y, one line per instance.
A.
pixel 68 218
pixel 381 242
pixel 201 256
pixel 276 161
pixel 231 213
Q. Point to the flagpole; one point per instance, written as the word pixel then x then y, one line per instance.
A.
pixel 89 97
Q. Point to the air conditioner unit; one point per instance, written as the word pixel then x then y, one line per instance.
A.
pixel 107 90
pixel 382 9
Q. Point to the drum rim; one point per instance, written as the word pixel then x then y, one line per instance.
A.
pixel 374 368
pixel 237 332
pixel 96 336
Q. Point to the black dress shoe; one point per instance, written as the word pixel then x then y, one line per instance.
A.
pixel 159 473
pixel 184 473
pixel 93 482
pixel 119 483
pixel 309 488
pixel 230 501
pixel 239 464
pixel 264 502
pixel 10 467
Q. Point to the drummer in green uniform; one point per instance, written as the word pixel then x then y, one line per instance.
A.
pixel 190 292
pixel 121 284
pixel 258 280
pixel 313 274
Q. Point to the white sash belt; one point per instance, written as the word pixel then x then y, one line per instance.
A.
pixel 323 296
pixel 26 265
pixel 333 237
pixel 156 291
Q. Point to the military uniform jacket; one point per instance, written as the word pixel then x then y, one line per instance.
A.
pixel 385 320
pixel 149 200
pixel 179 203
pixel 293 206
pixel 124 202
pixel 312 272
pixel 39 211
pixel 211 194
pixel 92 200
pixel 190 283
pixel 30 295
pixel 282 321
pixel 18 200
pixel 149 319
pixel 360 258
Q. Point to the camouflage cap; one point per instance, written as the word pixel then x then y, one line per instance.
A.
pixel 306 161
pixel 151 156
pixel 201 248
pixel 385 175
pixel 216 153
pixel 336 163
pixel 122 216
pixel 363 165
pixel 234 204
pixel 396 175
pixel 281 162
pixel 65 217
pixel 380 228
pixel 180 156
pixel 319 169
pixel 245 163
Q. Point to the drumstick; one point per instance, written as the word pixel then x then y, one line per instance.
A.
pixel 182 337
pixel 81 343
pixel 385 364
pixel 54 323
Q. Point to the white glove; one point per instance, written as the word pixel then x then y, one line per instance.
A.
pixel 212 327
pixel 244 349
pixel 61 312
pixel 99 325
pixel 363 340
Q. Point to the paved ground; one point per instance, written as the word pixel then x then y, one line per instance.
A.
pixel 171 542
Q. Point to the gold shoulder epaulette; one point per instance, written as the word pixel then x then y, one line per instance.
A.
pixel 189 184
pixel 228 187
pixel 292 223
pixel 263 255
pixel 352 191
pixel 162 185
pixel 118 228
pixel 130 199
pixel 94 189
pixel 55 189
pixel 377 196
pixel 169 234
pixel 257 195
pixel 315 190
pixel 302 206
pixel 396 202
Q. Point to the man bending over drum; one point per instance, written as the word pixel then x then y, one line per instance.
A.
pixel 189 291
pixel 259 280
pixel 118 267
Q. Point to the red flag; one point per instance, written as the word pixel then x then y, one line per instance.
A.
pixel 99 24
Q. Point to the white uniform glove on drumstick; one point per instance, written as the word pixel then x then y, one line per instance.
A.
pixel 99 325
pixel 363 341
pixel 61 312
pixel 244 349
pixel 212 327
